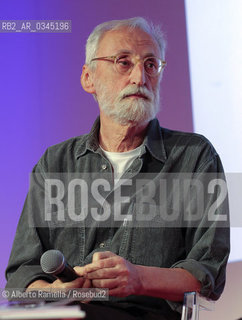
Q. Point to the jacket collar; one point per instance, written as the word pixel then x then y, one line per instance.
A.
pixel 153 140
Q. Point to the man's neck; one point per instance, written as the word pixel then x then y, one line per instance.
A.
pixel 115 137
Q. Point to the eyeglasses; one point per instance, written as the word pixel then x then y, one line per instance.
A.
pixel 124 64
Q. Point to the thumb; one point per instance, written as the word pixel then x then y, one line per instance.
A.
pixel 80 271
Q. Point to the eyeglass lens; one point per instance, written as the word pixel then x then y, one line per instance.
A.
pixel 152 65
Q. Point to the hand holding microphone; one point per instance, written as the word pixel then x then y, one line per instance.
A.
pixel 53 262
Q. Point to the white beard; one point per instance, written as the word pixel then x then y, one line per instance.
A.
pixel 125 110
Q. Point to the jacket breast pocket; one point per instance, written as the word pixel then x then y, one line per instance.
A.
pixel 155 241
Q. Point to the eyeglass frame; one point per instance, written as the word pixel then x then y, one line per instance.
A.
pixel 113 59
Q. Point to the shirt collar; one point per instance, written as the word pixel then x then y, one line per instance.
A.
pixel 153 140
pixel 91 140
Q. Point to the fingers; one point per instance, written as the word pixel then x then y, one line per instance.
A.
pixel 102 255
pixel 87 283
pixel 110 283
pixel 107 269
pixel 77 283
pixel 80 271
pixel 101 260
pixel 110 271
pixel 100 264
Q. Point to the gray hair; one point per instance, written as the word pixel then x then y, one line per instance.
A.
pixel 137 22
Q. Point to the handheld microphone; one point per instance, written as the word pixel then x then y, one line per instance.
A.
pixel 53 262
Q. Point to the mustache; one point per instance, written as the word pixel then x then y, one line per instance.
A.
pixel 135 90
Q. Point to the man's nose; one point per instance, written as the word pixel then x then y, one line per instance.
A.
pixel 137 75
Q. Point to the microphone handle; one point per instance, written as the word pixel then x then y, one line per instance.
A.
pixel 68 274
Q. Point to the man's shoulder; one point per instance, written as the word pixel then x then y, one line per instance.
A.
pixel 183 135
pixel 71 144
pixel 175 138
pixel 63 153
pixel 189 151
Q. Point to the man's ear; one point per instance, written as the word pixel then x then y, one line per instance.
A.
pixel 86 80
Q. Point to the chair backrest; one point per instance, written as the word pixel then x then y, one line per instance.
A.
pixel 193 303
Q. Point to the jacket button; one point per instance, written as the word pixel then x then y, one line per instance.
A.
pixel 104 166
pixel 102 245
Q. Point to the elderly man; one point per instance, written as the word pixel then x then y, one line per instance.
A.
pixel 147 270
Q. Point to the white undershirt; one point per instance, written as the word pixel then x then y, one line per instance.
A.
pixel 121 161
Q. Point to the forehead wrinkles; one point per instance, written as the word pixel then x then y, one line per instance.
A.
pixel 130 40
pixel 135 43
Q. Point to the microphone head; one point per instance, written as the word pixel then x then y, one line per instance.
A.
pixel 52 262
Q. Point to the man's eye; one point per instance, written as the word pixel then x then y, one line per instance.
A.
pixel 149 64
pixel 123 62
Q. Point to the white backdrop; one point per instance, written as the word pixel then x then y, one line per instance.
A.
pixel 215 58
